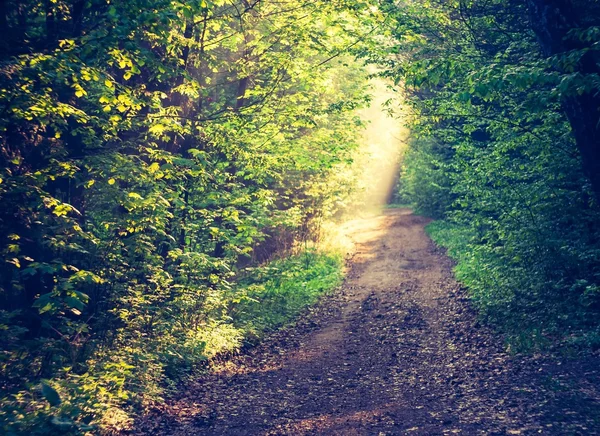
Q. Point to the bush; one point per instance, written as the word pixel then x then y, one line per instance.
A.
pixel 425 181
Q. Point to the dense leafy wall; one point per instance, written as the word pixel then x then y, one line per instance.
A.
pixel 496 153
pixel 150 151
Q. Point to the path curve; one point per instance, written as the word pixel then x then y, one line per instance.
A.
pixel 397 350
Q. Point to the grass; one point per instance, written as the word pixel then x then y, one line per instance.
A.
pixel 512 296
pixel 271 296
pixel 452 237
pixel 398 206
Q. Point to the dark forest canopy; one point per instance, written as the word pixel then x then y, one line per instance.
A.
pixel 154 154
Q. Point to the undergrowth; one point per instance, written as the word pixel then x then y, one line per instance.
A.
pixel 513 295
pixel 262 299
pixel 280 290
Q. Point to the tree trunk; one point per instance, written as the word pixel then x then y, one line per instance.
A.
pixel 3 20
pixel 551 20
pixel 50 23
pixel 77 17
pixel 241 92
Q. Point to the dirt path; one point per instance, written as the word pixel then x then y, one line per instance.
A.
pixel 396 351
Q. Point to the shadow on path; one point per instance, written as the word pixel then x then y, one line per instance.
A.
pixel 396 351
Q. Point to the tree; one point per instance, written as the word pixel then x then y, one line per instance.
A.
pixel 500 155
pixel 567 31
pixel 147 148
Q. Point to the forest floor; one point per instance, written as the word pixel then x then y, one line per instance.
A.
pixel 397 350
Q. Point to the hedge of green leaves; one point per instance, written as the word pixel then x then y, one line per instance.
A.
pixel 497 154
pixel 152 151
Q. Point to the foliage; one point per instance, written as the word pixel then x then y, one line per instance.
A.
pixel 277 292
pixel 150 151
pixel 425 181
pixel 496 153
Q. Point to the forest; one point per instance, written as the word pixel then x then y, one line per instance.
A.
pixel 173 173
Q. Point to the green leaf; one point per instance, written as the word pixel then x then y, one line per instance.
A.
pixel 43 300
pixel 74 303
pixel 50 394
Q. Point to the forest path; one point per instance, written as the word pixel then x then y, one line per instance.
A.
pixel 396 351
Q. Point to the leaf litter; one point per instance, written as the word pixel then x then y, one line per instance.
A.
pixel 397 350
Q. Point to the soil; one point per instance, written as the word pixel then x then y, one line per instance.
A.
pixel 397 350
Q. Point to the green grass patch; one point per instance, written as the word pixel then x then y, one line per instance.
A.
pixel 268 297
pixel 486 280
pixel 278 292
pixel 450 236
pixel 511 296
pixel 399 206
